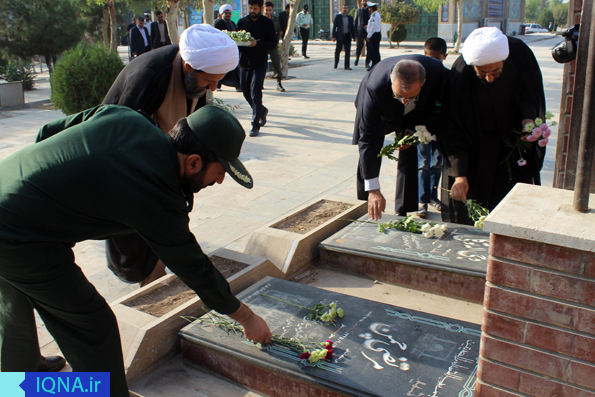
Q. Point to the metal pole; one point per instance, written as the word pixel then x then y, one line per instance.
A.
pixel 586 148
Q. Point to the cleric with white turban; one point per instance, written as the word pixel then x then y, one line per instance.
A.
pixel 225 7
pixel 208 49
pixel 485 46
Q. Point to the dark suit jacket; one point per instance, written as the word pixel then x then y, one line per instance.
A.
pixel 338 27
pixel 221 24
pixel 137 44
pixel 362 16
pixel 380 113
pixel 283 19
pixel 156 35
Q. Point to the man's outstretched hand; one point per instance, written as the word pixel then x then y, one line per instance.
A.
pixel 255 328
pixel 376 204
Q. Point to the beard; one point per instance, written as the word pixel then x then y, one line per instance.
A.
pixel 196 182
pixel 191 86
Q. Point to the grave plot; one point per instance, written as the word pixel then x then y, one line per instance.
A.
pixel 454 265
pixel 378 349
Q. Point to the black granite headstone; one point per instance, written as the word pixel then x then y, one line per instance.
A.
pixel 462 249
pixel 379 350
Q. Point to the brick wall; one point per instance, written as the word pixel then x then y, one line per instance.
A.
pixel 539 321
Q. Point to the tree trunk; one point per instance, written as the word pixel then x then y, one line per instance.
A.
pixel 390 36
pixel 105 27
pixel 293 11
pixel 208 9
pixel 111 7
pixel 172 20
pixel 49 64
pixel 459 26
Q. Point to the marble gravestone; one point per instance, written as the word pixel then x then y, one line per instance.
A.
pixel 454 265
pixel 379 350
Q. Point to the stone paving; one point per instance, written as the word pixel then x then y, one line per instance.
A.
pixel 302 154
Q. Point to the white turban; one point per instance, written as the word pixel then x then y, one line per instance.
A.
pixel 208 49
pixel 485 46
pixel 225 7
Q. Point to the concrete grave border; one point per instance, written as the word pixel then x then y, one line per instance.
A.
pixel 146 339
pixel 292 252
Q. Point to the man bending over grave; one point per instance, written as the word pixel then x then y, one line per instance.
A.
pixel 101 173
pixel 398 94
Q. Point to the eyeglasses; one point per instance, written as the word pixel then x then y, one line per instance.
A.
pixel 410 99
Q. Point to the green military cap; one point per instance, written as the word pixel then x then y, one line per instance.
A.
pixel 223 134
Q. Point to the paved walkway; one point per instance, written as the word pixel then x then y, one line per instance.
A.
pixel 304 153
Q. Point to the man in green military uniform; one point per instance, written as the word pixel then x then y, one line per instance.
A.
pixel 105 172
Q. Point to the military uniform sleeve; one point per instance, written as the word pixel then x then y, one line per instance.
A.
pixel 59 125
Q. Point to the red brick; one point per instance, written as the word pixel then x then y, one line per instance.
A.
pixel 508 275
pixel 562 287
pixel 539 386
pixel 567 121
pixel 498 374
pixel 524 358
pixel 578 6
pixel 561 342
pixel 541 254
pixel 485 390
pixel 569 103
pixel 566 139
pixel 573 63
pixel 503 327
pixel 582 374
pixel 560 180
pixel 585 321
pixel 571 84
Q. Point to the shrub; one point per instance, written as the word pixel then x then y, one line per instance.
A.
pixel 19 71
pixel 399 35
pixel 82 77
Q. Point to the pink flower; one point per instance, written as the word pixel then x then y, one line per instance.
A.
pixel 329 354
pixel 546 133
pixel 543 127
pixel 532 138
pixel 522 162
pixel 536 133
pixel 543 142
pixel 304 356
pixel 329 343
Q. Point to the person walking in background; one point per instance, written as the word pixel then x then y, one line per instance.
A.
pixel 253 60
pixel 304 21
pixel 140 39
pixel 160 34
pixel 343 33
pixel 284 20
pixel 224 22
pixel 148 23
pixel 362 15
pixel 274 53
pixel 374 34
pixel 429 158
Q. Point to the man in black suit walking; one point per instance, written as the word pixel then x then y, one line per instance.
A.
pixel 140 39
pixel 398 94
pixel 362 15
pixel 343 33
pixel 160 34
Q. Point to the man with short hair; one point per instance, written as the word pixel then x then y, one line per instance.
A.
pixel 343 33
pixel 495 87
pixel 274 53
pixel 374 35
pixel 224 22
pixel 168 84
pixel 160 34
pixel 253 60
pixel 148 23
pixel 398 94
pixel 104 172
pixel 284 20
pixel 140 39
pixel 362 15
pixel 305 22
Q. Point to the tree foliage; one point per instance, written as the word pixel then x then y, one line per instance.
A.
pixel 83 76
pixel 546 17
pixel 398 14
pixel 434 5
pixel 39 27
pixel 532 10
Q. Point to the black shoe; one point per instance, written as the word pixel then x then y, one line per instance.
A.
pixel 51 364
pixel 348 68
pixel 280 87
pixel 423 211
pixel 356 61
pixel 263 117
pixel 368 68
pixel 306 57
pixel 238 90
pixel 254 131
pixel 437 204
pixel 335 66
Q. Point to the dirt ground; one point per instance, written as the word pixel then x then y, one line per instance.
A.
pixel 167 298
pixel 313 216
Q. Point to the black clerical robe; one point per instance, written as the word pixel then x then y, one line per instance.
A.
pixel 480 116
pixel 380 113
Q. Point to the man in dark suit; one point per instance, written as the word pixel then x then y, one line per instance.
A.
pixel 362 15
pixel 398 94
pixel 160 34
pixel 283 20
pixel 140 39
pixel 343 33
pixel 224 22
